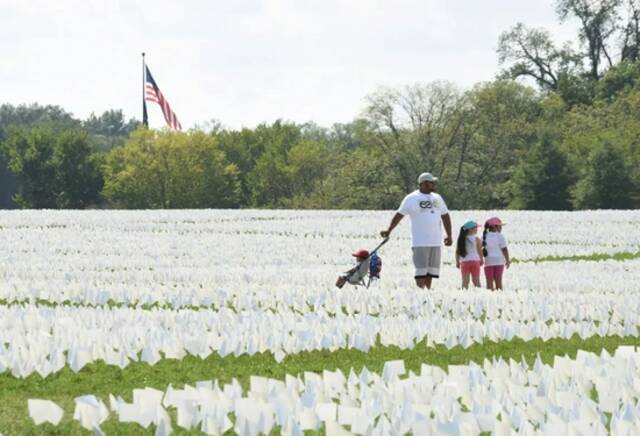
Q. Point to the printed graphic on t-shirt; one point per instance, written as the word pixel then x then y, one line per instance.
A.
pixel 425 211
pixel 428 206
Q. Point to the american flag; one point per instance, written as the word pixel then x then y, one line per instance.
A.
pixel 152 93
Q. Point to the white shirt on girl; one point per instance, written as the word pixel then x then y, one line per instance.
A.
pixel 494 243
pixel 472 249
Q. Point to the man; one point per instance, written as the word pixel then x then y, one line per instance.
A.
pixel 426 209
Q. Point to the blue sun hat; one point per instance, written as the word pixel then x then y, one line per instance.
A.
pixel 469 225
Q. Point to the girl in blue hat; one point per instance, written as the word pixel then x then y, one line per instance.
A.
pixel 469 254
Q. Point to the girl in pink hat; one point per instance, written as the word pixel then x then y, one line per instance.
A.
pixel 495 251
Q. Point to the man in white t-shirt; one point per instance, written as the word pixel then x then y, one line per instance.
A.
pixel 426 209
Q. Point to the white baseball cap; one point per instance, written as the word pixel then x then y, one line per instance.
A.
pixel 426 177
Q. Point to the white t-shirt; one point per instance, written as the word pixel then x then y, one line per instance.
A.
pixel 472 249
pixel 495 242
pixel 425 211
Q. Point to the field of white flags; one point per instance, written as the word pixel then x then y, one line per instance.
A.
pixel 496 396
pixel 90 295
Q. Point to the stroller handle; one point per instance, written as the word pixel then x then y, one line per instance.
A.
pixel 384 241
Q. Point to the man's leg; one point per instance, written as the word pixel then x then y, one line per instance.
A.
pixel 428 282
pixel 433 264
pixel 421 282
pixel 420 264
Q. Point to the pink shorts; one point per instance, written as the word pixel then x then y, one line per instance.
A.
pixel 493 272
pixel 470 267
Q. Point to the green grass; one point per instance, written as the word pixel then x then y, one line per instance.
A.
pixel 622 256
pixel 595 257
pixel 100 379
pixel 109 304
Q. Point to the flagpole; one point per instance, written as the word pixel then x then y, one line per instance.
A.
pixel 145 119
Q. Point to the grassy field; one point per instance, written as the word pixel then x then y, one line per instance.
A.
pixel 156 256
pixel 621 256
pixel 101 380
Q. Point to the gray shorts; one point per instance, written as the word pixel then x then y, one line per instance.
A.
pixel 427 261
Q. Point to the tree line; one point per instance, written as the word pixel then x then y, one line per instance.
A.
pixel 566 137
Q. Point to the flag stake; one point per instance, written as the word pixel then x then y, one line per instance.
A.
pixel 145 117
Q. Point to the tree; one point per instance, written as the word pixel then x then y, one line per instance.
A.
pixel 502 115
pixel 419 128
pixel 164 169
pixel 109 129
pixel 35 115
pixel 282 181
pixel 621 77
pixel 259 153
pixel 53 169
pixel 531 53
pixel 270 182
pixel 542 179
pixel 363 179
pixel 349 136
pixel 8 185
pixel 606 183
pixel 604 40
pixel 631 33
pixel 77 173
pixel 598 25
pixel 616 122
pixel 26 116
pixel 308 163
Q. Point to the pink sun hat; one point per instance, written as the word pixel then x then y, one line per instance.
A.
pixel 494 221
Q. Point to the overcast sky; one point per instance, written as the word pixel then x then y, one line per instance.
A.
pixel 244 62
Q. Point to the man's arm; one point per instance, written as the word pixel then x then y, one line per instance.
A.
pixel 446 220
pixel 394 222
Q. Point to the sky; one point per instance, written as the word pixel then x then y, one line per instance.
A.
pixel 244 62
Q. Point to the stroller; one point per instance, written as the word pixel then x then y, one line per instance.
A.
pixel 368 268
